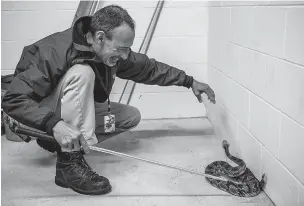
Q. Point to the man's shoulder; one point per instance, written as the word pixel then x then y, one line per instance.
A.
pixel 52 48
pixel 56 40
pixel 56 44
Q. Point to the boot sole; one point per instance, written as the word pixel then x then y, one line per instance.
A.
pixel 59 183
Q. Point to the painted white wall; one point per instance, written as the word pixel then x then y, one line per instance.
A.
pixel 256 66
pixel 24 22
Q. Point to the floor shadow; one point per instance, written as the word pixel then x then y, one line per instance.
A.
pixel 44 161
pixel 130 141
pixel 160 133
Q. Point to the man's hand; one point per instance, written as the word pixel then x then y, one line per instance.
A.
pixel 198 88
pixel 69 137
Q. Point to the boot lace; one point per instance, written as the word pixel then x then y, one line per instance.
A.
pixel 85 170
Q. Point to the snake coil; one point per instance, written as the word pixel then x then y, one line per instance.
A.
pixel 247 184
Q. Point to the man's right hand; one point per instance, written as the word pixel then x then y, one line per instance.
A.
pixel 69 137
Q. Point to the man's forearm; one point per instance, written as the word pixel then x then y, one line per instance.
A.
pixel 139 68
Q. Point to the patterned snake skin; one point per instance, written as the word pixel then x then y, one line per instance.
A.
pixel 247 185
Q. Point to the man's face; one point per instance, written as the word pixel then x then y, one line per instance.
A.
pixel 109 51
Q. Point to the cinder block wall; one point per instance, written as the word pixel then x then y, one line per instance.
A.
pixel 24 22
pixel 256 66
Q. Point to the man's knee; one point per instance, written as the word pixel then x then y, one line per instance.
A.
pixel 82 73
pixel 78 78
pixel 132 120
pixel 136 116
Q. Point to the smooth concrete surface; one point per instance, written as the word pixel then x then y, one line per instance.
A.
pixel 28 171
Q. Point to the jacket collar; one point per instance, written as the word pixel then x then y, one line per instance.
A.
pixel 80 28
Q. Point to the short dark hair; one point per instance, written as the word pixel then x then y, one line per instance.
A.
pixel 108 18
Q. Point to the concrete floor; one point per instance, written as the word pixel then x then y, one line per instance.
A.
pixel 28 171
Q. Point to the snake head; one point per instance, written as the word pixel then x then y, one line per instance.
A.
pixel 225 144
pixel 263 181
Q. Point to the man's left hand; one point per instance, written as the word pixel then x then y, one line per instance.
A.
pixel 198 88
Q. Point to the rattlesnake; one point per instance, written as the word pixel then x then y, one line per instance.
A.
pixel 247 184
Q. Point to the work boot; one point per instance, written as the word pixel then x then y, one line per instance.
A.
pixel 72 171
pixel 49 146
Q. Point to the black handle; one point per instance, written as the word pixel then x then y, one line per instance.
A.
pixel 29 132
pixel 39 135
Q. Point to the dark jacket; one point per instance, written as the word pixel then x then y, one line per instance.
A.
pixel 43 64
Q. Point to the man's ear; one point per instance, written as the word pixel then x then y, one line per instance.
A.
pixel 99 36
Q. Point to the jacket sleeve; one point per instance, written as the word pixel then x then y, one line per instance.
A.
pixel 28 88
pixel 142 69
